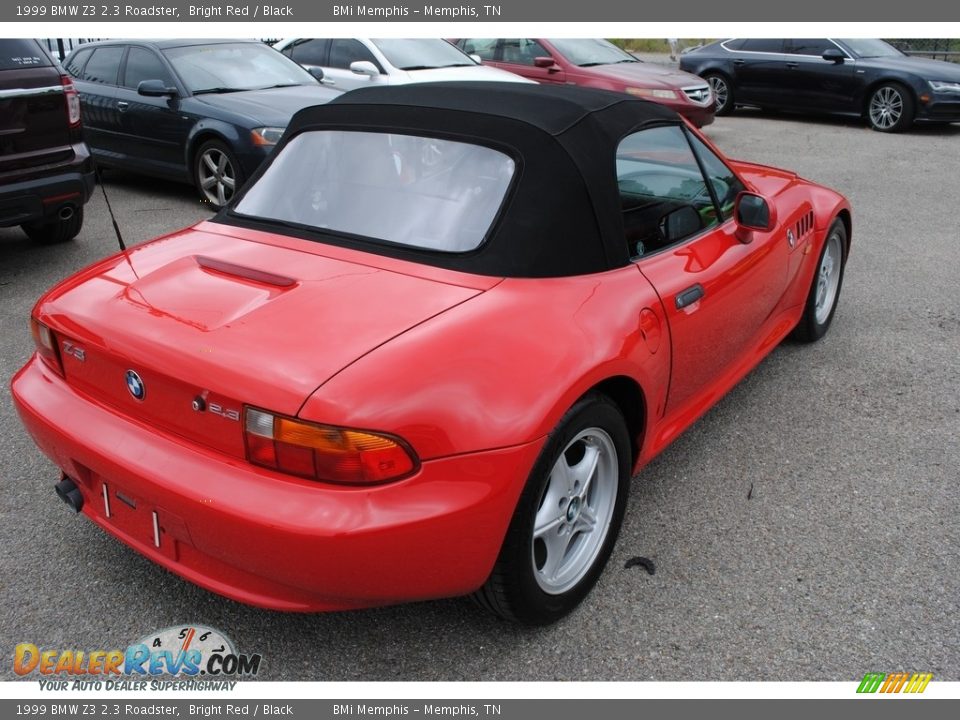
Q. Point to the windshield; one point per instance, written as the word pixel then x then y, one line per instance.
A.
pixel 225 67
pixel 404 189
pixel 421 53
pixel 592 52
pixel 869 48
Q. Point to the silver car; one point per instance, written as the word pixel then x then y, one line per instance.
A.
pixel 350 63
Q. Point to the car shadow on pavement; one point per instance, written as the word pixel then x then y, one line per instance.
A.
pixel 443 640
pixel 22 259
pixel 154 187
pixel 920 128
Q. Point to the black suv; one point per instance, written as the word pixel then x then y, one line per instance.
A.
pixel 46 173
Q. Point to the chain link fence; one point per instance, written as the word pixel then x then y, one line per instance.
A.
pixel 942 49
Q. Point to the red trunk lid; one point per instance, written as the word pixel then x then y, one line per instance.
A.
pixel 230 321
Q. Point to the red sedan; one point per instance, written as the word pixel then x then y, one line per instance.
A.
pixel 599 64
pixel 427 347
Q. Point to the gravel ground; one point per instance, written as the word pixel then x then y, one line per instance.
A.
pixel 842 559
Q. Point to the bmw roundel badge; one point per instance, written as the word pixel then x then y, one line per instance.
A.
pixel 135 385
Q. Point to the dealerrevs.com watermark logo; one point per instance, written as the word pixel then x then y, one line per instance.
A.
pixel 203 658
pixel 898 682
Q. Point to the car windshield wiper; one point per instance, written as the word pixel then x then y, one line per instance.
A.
pixel 629 60
pixel 419 67
pixel 592 64
pixel 279 85
pixel 218 90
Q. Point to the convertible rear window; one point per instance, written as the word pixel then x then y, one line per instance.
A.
pixel 409 190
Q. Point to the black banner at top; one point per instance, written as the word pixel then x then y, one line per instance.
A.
pixel 741 11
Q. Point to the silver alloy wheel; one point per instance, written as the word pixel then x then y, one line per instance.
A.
pixel 828 279
pixel 719 87
pixel 218 177
pixel 574 516
pixel 886 107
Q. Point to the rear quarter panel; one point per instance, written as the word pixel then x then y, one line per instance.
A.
pixel 502 369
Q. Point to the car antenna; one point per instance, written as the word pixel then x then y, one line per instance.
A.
pixel 113 219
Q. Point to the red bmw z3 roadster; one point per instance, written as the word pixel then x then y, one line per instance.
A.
pixel 425 350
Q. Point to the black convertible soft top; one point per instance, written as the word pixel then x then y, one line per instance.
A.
pixel 562 214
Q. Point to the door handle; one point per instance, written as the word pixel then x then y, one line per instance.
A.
pixel 689 296
pixel 792 65
pixel 122 105
pixel 739 62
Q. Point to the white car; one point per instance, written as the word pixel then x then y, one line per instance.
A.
pixel 350 63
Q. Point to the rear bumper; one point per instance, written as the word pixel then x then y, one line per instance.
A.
pixel 268 540
pixel 42 194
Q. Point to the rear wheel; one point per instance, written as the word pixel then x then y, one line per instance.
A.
pixel 890 108
pixel 825 288
pixel 567 519
pixel 57 230
pixel 722 91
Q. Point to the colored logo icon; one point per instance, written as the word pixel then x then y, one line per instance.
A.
pixel 135 385
pixel 894 682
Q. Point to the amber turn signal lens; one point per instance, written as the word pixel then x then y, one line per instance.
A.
pixel 325 452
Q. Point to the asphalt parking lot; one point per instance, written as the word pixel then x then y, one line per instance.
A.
pixel 807 528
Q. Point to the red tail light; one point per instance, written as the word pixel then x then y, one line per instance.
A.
pixel 46 343
pixel 324 452
pixel 73 101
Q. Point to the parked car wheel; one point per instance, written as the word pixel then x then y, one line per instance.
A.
pixel 55 231
pixel 825 288
pixel 890 108
pixel 722 91
pixel 217 173
pixel 567 519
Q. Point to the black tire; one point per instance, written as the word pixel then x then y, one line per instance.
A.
pixel 55 231
pixel 216 173
pixel 816 318
pixel 723 92
pixel 890 108
pixel 515 589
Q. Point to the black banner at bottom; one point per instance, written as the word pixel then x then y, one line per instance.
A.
pixel 875 708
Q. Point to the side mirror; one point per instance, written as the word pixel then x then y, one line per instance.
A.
pixel 834 55
pixel 317 72
pixel 364 67
pixel 156 88
pixel 476 58
pixel 753 212
pixel 545 62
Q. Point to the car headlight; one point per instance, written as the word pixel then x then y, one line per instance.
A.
pixel 943 86
pixel 651 92
pixel 266 135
